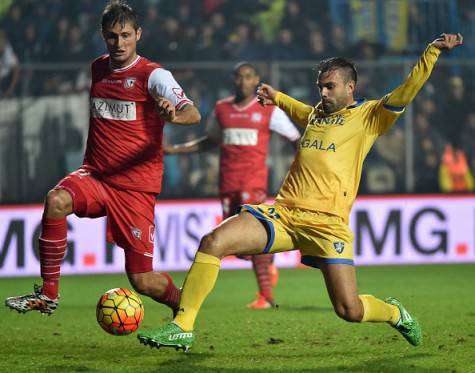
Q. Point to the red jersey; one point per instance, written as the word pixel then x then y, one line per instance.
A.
pixel 244 133
pixel 124 145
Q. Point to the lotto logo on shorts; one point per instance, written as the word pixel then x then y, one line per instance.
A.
pixel 339 247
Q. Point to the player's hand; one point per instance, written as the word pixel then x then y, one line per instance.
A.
pixel 448 41
pixel 266 94
pixel 165 108
pixel 168 149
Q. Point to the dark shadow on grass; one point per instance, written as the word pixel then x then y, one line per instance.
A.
pixel 290 307
pixel 70 368
pixel 192 362
pixel 181 362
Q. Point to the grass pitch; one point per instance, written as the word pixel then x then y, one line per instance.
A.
pixel 302 335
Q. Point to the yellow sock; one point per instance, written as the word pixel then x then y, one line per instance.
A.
pixel 375 310
pixel 198 284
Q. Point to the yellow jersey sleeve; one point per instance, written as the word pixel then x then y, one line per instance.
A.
pixel 387 110
pixel 296 110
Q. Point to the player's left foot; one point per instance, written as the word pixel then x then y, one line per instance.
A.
pixel 170 335
pixel 35 301
pixel 261 303
pixel 407 326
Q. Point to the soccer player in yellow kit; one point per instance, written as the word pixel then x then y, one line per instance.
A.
pixel 312 208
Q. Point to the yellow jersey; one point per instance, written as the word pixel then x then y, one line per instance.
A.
pixel 326 171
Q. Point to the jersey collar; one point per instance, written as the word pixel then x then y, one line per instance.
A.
pixel 133 63
pixel 243 108
pixel 356 102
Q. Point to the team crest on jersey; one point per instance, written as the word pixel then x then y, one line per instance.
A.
pixel 256 117
pixel 339 246
pixel 129 82
pixel 137 233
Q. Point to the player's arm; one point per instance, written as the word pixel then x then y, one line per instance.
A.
pixel 194 146
pixel 187 114
pixel 405 93
pixel 296 110
pixel 207 142
pixel 171 101
pixel 388 109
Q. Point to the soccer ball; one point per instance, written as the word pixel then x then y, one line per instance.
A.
pixel 119 311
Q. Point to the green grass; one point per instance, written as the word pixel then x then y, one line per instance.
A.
pixel 231 338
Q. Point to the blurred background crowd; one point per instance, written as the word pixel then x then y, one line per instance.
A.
pixel 46 47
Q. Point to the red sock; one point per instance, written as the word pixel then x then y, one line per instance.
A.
pixel 261 264
pixel 171 297
pixel 53 243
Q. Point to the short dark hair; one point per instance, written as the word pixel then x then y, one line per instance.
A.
pixel 118 11
pixel 249 65
pixel 335 63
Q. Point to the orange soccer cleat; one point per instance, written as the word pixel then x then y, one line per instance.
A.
pixel 261 303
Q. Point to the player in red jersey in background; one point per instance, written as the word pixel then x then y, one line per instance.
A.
pixel 241 127
pixel 130 100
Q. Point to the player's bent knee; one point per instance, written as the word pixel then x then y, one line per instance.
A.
pixel 211 244
pixel 58 203
pixel 350 313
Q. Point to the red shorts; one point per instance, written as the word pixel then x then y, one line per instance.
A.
pixel 231 202
pixel 130 215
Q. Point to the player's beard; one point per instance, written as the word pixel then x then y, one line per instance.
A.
pixel 332 106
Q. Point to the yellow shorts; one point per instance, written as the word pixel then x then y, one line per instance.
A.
pixel 320 237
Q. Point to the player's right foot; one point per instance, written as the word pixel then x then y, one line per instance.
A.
pixel 261 303
pixel 32 302
pixel 407 326
pixel 274 275
pixel 170 335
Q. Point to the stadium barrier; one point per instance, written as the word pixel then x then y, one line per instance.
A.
pixel 388 230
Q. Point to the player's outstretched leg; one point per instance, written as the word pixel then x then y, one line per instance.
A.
pixel 198 284
pixel 35 301
pixel 341 284
pixel 406 325
pixel 203 274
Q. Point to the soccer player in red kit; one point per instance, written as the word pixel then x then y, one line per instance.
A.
pixel 242 127
pixel 130 100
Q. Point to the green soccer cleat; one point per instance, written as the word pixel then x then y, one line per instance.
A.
pixel 407 326
pixel 170 335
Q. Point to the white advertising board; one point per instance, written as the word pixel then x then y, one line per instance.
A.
pixel 388 230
